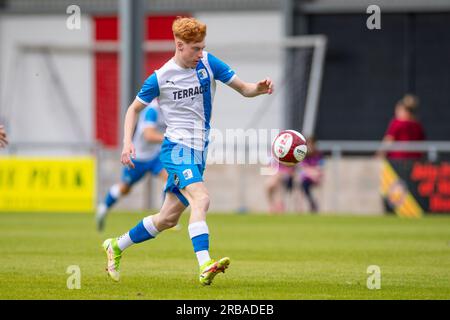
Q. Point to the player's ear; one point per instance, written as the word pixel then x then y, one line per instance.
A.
pixel 179 44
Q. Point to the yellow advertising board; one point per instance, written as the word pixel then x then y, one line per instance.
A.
pixel 35 184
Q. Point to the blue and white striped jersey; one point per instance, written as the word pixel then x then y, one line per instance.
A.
pixel 186 96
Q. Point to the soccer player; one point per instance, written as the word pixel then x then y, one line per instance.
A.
pixel 147 140
pixel 185 87
pixel 3 138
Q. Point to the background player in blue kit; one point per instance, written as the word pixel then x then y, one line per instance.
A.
pixel 185 88
pixel 147 140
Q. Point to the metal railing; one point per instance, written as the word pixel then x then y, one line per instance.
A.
pixel 37 147
pixel 337 148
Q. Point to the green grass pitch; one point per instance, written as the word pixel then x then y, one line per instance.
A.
pixel 272 257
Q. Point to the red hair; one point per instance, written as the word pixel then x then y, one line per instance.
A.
pixel 189 29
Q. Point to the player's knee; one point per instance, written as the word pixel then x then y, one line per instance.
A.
pixel 168 222
pixel 125 189
pixel 201 201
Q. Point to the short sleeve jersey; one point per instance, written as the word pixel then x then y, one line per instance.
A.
pixel 186 96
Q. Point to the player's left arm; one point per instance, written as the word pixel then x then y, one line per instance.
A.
pixel 225 74
pixel 249 90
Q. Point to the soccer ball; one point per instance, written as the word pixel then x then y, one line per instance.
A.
pixel 289 147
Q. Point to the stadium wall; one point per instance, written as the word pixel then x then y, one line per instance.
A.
pixel 31 102
pixel 350 186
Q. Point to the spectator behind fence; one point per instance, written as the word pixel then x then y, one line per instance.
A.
pixel 405 127
pixel 3 138
pixel 311 172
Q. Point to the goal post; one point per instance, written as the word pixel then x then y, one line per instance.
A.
pixel 307 60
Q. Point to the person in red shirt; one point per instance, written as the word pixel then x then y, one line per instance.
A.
pixel 405 127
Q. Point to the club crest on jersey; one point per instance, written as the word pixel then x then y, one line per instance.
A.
pixel 187 174
pixel 202 74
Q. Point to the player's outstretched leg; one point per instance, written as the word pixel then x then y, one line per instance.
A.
pixel 103 208
pixel 144 230
pixel 113 254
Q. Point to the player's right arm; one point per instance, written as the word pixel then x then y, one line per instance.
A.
pixel 131 117
pixel 148 92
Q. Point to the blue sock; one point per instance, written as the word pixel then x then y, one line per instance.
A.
pixel 112 196
pixel 109 200
pixel 199 234
pixel 200 242
pixel 143 231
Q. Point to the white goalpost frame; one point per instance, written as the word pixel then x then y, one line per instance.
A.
pixel 319 45
pixel 317 42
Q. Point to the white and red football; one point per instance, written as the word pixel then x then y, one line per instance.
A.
pixel 289 147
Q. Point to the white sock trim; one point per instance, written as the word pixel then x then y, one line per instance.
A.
pixel 202 257
pixel 124 241
pixel 114 191
pixel 149 226
pixel 102 209
pixel 198 228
